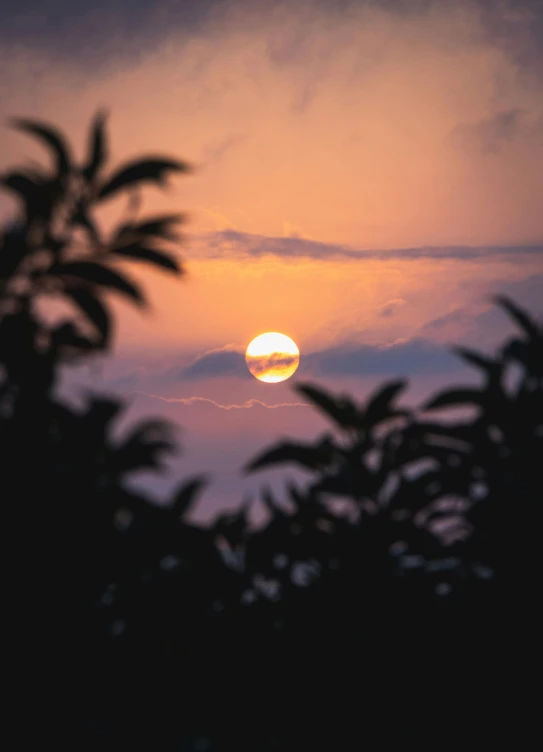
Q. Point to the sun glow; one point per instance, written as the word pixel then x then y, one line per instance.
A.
pixel 272 357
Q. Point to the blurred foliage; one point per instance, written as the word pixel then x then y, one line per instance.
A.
pixel 405 575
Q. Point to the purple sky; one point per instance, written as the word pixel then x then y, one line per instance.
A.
pixel 367 175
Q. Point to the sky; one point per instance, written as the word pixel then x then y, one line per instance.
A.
pixel 366 176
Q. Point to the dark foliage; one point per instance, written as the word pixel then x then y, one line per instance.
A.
pixel 396 598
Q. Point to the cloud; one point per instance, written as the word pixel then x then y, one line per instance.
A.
pixel 417 356
pixel 516 27
pixel 490 135
pixel 405 358
pixel 236 243
pixel 102 30
pixel 457 317
pixel 223 361
pixel 275 363
pixel 293 231
pixel 249 404
pixel 215 152
pixel 344 107
pixel 513 25
pixel 481 321
pixel 391 308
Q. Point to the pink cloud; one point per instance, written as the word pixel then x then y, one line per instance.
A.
pixel 206 400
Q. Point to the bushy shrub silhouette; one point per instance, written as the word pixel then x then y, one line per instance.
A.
pixel 406 574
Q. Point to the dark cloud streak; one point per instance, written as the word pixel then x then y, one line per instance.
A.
pixel 491 135
pixel 417 356
pixel 220 244
pixel 83 30
pixel 276 360
pixel 102 30
pixel 217 363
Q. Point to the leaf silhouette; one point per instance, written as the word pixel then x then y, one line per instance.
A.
pixel 456 398
pixel 94 309
pixel 102 411
pixel 90 271
pixel 343 412
pixel 271 504
pixel 24 184
pixel 489 365
pixel 138 252
pixel 97 148
pixel 83 218
pixel 520 316
pixel 154 170
pixel 528 354
pixel 160 226
pixel 312 457
pixel 52 137
pixel 378 407
pixel 67 335
pixel 13 249
pixel 144 446
pixel 187 495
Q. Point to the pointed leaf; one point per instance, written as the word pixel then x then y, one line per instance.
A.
pixel 159 227
pixel 25 185
pixel 342 410
pixel 270 503
pixel 187 495
pixel 96 422
pixel 93 308
pixel 521 317
pixel 138 252
pixel 486 364
pixel 153 430
pixel 133 173
pixel 102 411
pixel 97 148
pixel 456 398
pixel 143 447
pixel 378 406
pixel 529 354
pixel 83 219
pixel 13 249
pixel 52 137
pixel 67 335
pixel 100 275
pixel 295 495
pixel 309 456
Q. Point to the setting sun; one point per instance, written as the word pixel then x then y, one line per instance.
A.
pixel 272 357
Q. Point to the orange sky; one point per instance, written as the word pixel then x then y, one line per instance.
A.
pixel 370 129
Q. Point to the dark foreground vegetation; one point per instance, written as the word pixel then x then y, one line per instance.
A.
pixel 393 600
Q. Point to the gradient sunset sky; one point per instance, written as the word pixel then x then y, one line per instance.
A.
pixel 367 175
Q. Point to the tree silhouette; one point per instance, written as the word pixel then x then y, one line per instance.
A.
pixel 91 560
pixel 469 470
pixel 403 579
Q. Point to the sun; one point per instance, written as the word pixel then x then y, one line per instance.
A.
pixel 272 357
